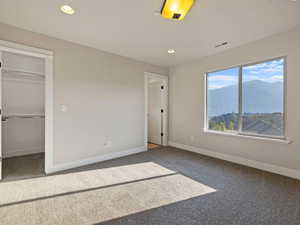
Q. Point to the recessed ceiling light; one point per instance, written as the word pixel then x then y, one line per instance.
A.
pixel 171 51
pixel 67 9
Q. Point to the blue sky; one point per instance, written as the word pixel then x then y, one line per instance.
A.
pixel 271 72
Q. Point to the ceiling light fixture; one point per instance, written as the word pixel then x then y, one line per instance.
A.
pixel 176 9
pixel 171 51
pixel 67 9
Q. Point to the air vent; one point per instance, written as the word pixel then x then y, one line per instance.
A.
pixel 222 44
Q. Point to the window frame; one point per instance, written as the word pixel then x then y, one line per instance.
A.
pixel 239 131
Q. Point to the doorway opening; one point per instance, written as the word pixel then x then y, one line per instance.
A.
pixel 25 112
pixel 156 108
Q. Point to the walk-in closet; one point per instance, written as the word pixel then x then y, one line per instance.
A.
pixel 23 115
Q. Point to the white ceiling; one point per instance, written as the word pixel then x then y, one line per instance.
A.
pixel 131 28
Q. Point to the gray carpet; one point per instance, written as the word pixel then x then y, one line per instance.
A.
pixel 163 186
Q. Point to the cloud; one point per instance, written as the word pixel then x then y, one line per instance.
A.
pixel 275 66
pixel 220 81
pixel 213 86
pixel 270 72
pixel 276 78
pixel 271 79
pixel 222 78
pixel 273 69
pixel 250 77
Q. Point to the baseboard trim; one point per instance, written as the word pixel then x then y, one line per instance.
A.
pixel 84 162
pixel 239 160
pixel 23 152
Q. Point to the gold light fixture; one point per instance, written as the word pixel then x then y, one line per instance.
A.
pixel 176 9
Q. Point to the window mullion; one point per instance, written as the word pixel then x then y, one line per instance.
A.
pixel 240 99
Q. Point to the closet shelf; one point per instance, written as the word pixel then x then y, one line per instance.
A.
pixel 23 72
pixel 23 116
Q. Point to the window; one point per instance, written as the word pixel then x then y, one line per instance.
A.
pixel 247 100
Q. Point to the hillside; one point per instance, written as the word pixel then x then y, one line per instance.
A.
pixel 258 97
pixel 266 123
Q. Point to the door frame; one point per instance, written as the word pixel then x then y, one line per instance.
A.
pixel 165 100
pixel 6 46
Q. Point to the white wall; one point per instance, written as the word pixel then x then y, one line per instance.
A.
pixel 22 136
pixel 187 102
pixel 103 92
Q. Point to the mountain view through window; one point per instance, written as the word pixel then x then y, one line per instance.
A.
pixel 247 102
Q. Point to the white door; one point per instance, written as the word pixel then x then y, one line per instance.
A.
pixel 1 64
pixel 154 113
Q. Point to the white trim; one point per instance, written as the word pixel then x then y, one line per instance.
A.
pixel 1 117
pixel 157 76
pixel 24 49
pixel 23 152
pixel 96 159
pixel 205 102
pixel 239 160
pixel 165 99
pixel 49 108
pixel 237 135
pixel 146 110
pixel 49 115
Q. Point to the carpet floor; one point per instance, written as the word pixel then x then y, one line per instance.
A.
pixel 165 186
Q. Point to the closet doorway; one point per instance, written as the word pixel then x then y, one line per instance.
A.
pixel 156 120
pixel 24 118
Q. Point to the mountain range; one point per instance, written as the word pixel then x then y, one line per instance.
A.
pixel 258 97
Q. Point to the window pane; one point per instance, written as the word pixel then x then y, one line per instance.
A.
pixel 222 100
pixel 263 105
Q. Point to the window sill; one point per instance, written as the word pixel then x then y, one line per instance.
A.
pixel 284 141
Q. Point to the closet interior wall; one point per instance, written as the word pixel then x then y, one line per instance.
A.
pixel 23 105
